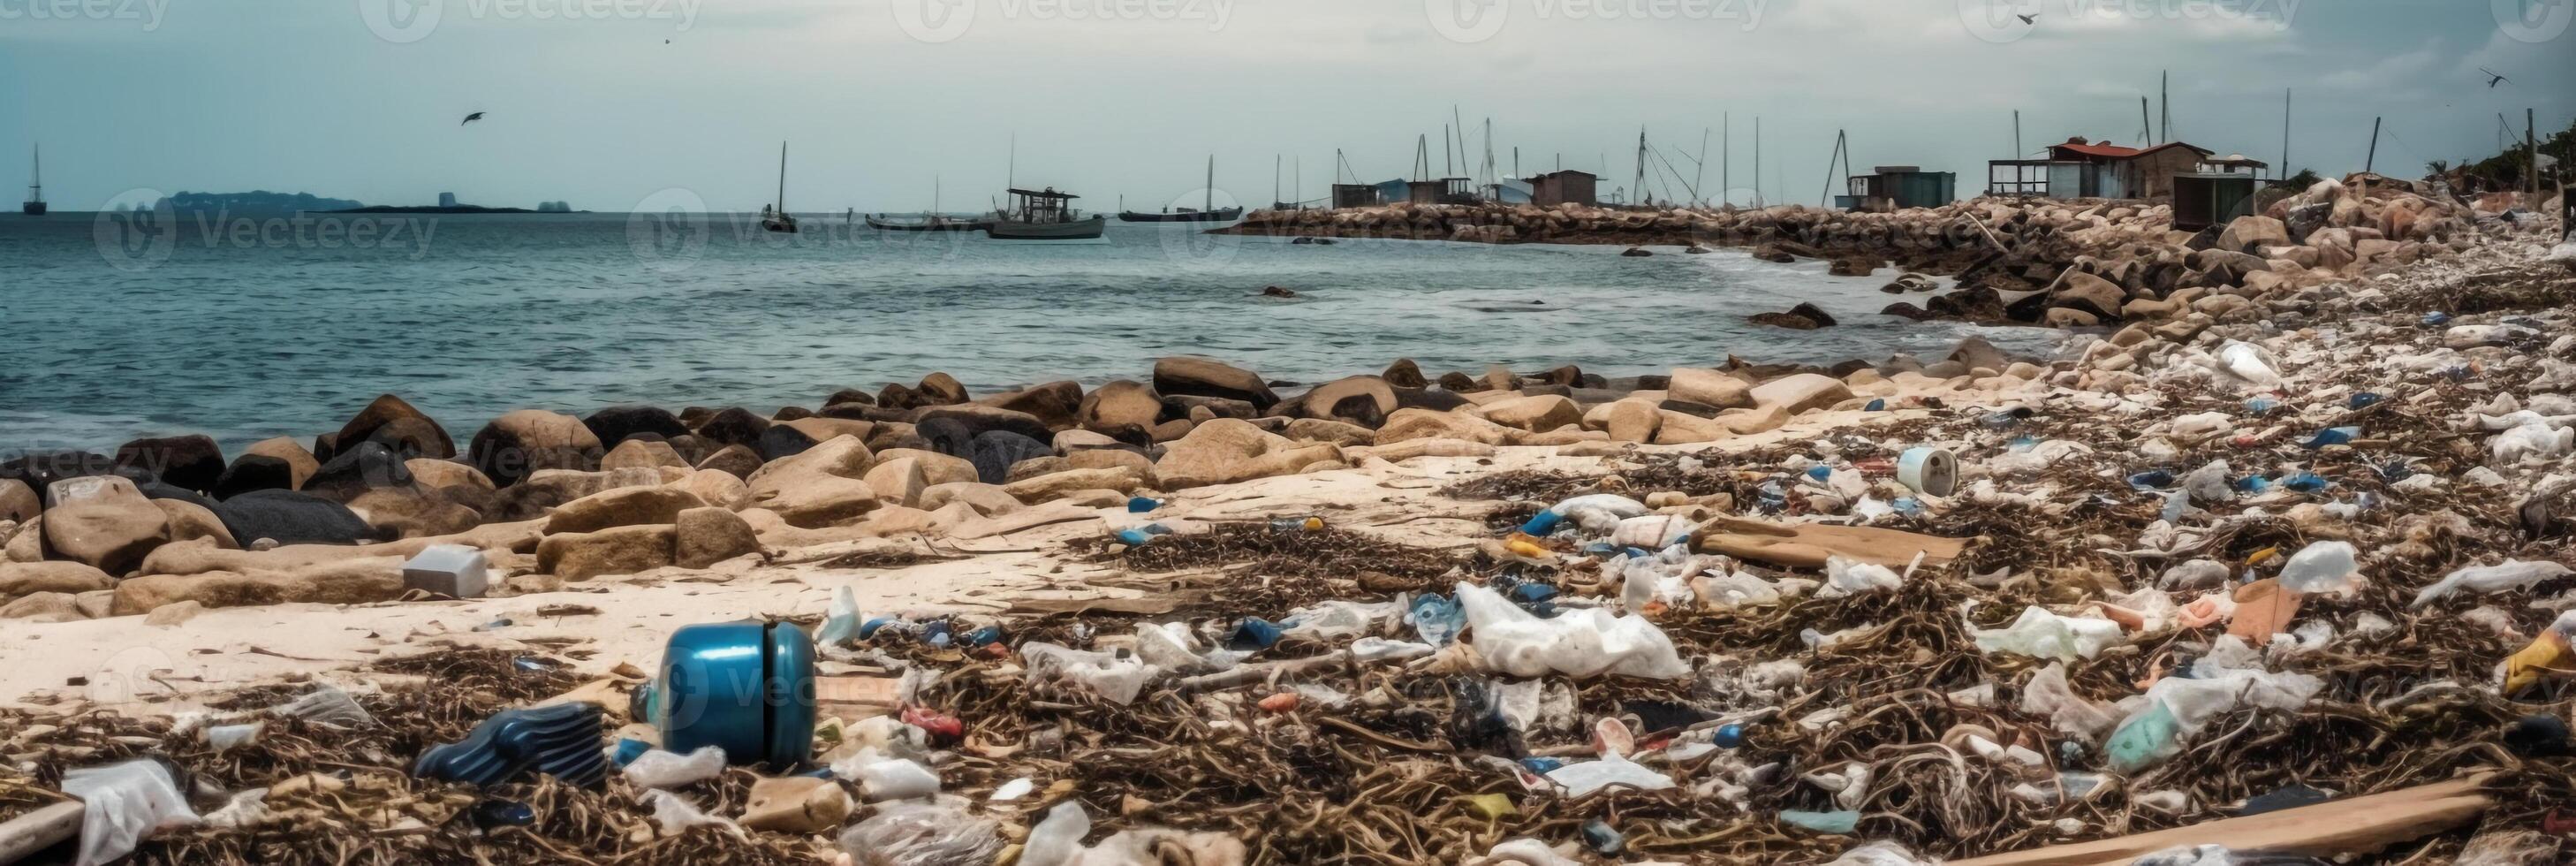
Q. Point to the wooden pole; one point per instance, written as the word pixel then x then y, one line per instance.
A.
pixel 2531 165
pixel 2285 133
pixel 2017 151
pixel 2371 160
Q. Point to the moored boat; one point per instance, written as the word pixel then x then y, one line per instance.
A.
pixel 1044 215
pixel 35 205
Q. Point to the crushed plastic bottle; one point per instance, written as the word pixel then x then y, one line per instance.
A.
pixel 2322 567
pixel 1436 618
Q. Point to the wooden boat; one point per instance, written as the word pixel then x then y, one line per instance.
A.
pixel 933 221
pixel 1208 214
pixel 778 220
pixel 35 205
pixel 1044 215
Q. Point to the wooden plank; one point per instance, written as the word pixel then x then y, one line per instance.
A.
pixel 36 831
pixel 856 697
pixel 2359 825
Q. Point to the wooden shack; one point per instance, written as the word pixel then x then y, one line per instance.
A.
pixel 1565 187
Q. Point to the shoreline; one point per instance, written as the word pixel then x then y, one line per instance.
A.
pixel 600 518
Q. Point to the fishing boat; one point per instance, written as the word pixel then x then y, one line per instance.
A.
pixel 1208 214
pixel 777 219
pixel 931 221
pixel 35 205
pixel 1044 215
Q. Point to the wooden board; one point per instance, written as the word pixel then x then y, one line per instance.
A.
pixel 1808 545
pixel 2358 825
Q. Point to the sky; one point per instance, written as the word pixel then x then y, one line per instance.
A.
pixel 609 104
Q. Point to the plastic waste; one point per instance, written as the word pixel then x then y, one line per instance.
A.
pixel 2249 364
pixel 1338 620
pixel 2039 633
pixel 1584 777
pixel 1253 633
pixel 1057 841
pixel 122 804
pixel 1880 853
pixel 2306 482
pixel 923 834
pixel 1652 531
pixel 2547 654
pixel 1141 505
pixel 1436 618
pixel 1729 736
pixel 2533 440
pixel 561 740
pixel 1842 822
pixel 1369 649
pixel 1523 852
pixel 1105 674
pixel 2483 579
pixel 1139 536
pixel 2322 567
pixel 1599 836
pixel 1853 577
pixel 2332 436
pixel 2208 483
pixel 327 705
pixel 675 815
pixel 2362 400
pixel 1583 643
pixel 896 779
pixel 1013 790
pixel 2145 739
pixel 246 808
pixel 659 769
pixel 495 812
pixel 228 737
pixel 2152 479
pixel 1298 524
pixel 1597 513
pixel 841 624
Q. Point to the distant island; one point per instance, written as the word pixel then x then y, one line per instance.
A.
pixel 255 201
pixel 447 204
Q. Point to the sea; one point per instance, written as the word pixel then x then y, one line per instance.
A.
pixel 245 327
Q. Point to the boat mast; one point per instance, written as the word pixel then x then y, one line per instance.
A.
pixel 782 179
pixel 36 176
pixel 1211 184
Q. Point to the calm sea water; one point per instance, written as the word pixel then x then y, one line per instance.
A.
pixel 249 329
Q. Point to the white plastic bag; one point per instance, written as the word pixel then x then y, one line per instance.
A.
pixel 1853 577
pixel 1652 531
pixel 659 769
pixel 1104 674
pixel 1578 643
pixel 2323 567
pixel 841 624
pixel 676 815
pixel 923 834
pixel 896 779
pixel 1588 776
pixel 2482 579
pixel 1057 841
pixel 124 802
pixel 1599 513
pixel 2533 440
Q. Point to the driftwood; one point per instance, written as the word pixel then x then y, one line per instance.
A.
pixel 2359 825
pixel 39 830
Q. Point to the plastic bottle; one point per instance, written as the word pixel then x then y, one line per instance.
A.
pixel 1437 619
pixel 2325 566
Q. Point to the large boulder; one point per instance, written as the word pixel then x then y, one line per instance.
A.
pixel 825 486
pixel 1055 404
pixel 642 453
pixel 1634 421
pixel 359 581
pixel 2089 293
pixel 995 452
pixel 29 578
pixel 1706 387
pixel 987 500
pixel 520 443
pixel 43 607
pixel 2249 233
pixel 291 517
pixel 614 425
pixel 734 426
pixel 1201 377
pixel 190 521
pixel 186 462
pixel 1431 424
pixel 1228 450
pixel 40 469
pixel 358 468
pixel 705 536
pixel 395 424
pixel 18 502
pixel 579 556
pixel 1361 400
pixel 937 468
pixel 624 506
pixel 1537 414
pixel 1119 406
pixel 1335 432
pixel 104 522
pixel 1405 374
pixel 735 460
pixel 443 474
pixel 719 489
pixel 941 389
pixel 898 481
pixel 269 464
pixel 1976 353
pixel 977 419
pixel 1053 485
pixel 1801 392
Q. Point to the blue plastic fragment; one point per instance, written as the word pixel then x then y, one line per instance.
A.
pixel 1729 736
pixel 2363 400
pixel 2261 405
pixel 1533 592
pixel 1820 472
pixel 560 741
pixel 503 813
pixel 1253 633
pixel 869 629
pixel 1877 405
pixel 1542 524
pixel 1840 823
pixel 2334 436
pixel 629 749
pixel 1140 505
pixel 2306 482
pixel 936 633
pixel 991 634
pixel 2152 479
pixel 1542 766
pixel 2436 319
pixel 1600 837
pixel 1437 618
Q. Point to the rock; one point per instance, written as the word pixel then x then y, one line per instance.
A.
pixel 796 804
pixel 995 452
pixel 44 607
pixel 95 604
pixel 173 614
pixel 1227 450
pixel 1853 266
pixel 978 419
pixel 357 469
pixel 1801 392
pixel 705 536
pixel 733 426
pixel 1428 424
pixel 1677 428
pixel 941 389
pixel 1404 374
pixel 718 489
pixel 1054 404
pixel 27 544
pixel 1975 352
pixel 625 506
pixel 1745 422
pixel 1636 252
pixel 642 453
pixel 2305 220
pixel 2089 293
pixel 1056 484
pixel 1501 378
pixel 1200 377
pixel 2069 317
pixel 580 556
pixel 291 517
pixel 18 502
pixel 1068 441
pixel 279 453
pixel 1191 406
pixel 1361 400
pixel 520 443
pixel 1335 432
pixel 898 396
pixel 1709 388
pixel 1118 406
pixel 352 582
pixel 615 425
pixel 984 499
pixel 735 460
pixel 825 486
pixel 1635 421
pixel 1534 414
pixel 189 521
pixel 104 522
pixel 1458 382
pixel 397 425
pixel 898 481
pixel 1036 466
pixel 779 441
pixel 443 474
pixel 29 578
pixel 2248 233
pixel 1172 430
pixel 411 511
pixel 1278 292
pixel 187 462
pixel 937 468
pixel 40 469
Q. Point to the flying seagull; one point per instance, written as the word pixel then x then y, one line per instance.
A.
pixel 2026 19
pixel 2493 78
pixel 470 118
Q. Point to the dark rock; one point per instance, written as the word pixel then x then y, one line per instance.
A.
pixel 782 441
pixel 1278 292
pixel 734 426
pixel 40 469
pixel 1853 266
pixel 1847 368
pixel 1179 406
pixel 163 490
pixel 399 426
pixel 980 419
pixel 693 416
pixel 1442 400
pixel 617 424
pixel 1057 404
pixel 864 412
pixel 1460 382
pixel 290 517
pixel 896 395
pixel 736 460
pixel 2305 220
pixel 941 389
pixel 1689 408
pixel 363 467
pixel 849 395
pixel 690 446
pixel 191 462
pixel 947 436
pixel 522 442
pixel 996 451
pixel 1791 321
pixel 791 413
pixel 251 472
pixel 1635 252
pixel 325 445
pixel 1404 374
pixel 1568 375
pixel 1201 377
pixel 1975 352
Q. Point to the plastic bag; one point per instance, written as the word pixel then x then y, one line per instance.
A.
pixel 2040 634
pixel 675 815
pixel 1436 618
pixel 2322 567
pixel 1589 776
pixel 1881 853
pixel 1104 674
pixel 1652 531
pixel 1057 841
pixel 1853 577
pixel 923 834
pixel 841 625
pixel 2533 440
pixel 2248 364
pixel 2195 574
pixel 2482 579
pixel 660 769
pixel 1598 513
pixel 124 803
pixel 1523 851
pixel 327 705
pixel 1580 643
pixel 1338 620
pixel 896 779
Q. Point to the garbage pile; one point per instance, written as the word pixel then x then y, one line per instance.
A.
pixel 2316 561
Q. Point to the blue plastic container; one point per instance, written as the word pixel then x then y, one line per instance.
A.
pixel 745 687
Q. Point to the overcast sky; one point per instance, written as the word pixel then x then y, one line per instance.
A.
pixel 606 102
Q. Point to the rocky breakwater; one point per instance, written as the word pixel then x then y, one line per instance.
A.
pixel 2081 263
pixel 551 498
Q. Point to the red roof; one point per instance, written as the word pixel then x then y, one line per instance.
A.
pixel 2113 151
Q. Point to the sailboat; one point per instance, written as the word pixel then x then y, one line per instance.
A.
pixel 1186 215
pixel 934 221
pixel 778 220
pixel 35 205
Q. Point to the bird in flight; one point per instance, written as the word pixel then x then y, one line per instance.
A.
pixel 2493 78
pixel 470 118
pixel 2026 19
